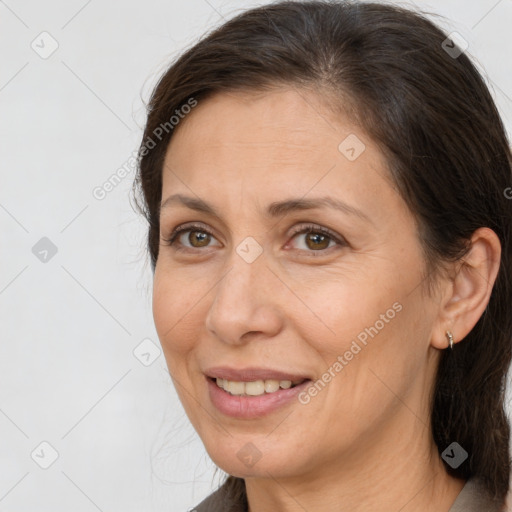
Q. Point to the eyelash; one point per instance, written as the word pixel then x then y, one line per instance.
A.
pixel 308 228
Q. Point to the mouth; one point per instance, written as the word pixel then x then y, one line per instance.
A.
pixel 257 387
pixel 253 399
pixel 251 392
pixel 253 381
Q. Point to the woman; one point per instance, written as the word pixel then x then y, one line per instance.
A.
pixel 329 230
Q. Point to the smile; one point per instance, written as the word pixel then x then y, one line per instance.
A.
pixel 253 399
pixel 255 388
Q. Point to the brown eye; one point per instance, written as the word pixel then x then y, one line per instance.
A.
pixel 190 237
pixel 199 238
pixel 316 241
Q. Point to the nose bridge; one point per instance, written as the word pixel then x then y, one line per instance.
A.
pixel 241 300
pixel 246 268
pixel 236 294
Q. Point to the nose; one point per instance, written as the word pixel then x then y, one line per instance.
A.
pixel 245 303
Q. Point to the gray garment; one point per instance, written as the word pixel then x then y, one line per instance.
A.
pixel 472 498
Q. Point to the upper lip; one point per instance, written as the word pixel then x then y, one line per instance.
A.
pixel 252 374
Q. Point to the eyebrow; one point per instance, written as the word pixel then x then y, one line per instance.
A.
pixel 275 209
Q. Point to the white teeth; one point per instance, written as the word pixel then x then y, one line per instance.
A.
pixel 271 385
pixel 235 388
pixel 254 388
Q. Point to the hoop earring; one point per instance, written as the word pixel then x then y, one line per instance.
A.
pixel 449 335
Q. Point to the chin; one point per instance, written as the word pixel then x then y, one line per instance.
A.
pixel 243 458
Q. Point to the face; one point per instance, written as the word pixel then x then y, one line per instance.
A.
pixel 297 259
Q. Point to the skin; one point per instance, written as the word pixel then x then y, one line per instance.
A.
pixel 364 441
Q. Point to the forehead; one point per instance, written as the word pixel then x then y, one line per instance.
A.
pixel 284 140
pixel 296 117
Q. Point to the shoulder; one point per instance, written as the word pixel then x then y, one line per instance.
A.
pixel 474 498
pixel 222 500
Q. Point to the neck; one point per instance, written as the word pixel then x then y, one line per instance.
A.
pixel 400 474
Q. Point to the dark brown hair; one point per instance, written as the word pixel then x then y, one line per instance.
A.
pixel 433 117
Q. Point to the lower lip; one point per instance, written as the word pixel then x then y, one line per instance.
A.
pixel 250 407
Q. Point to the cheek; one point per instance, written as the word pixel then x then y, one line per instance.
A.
pixel 367 324
pixel 344 309
pixel 175 303
pixel 377 352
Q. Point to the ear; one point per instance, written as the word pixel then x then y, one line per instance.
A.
pixel 468 289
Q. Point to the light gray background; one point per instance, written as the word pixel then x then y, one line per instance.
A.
pixel 68 373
